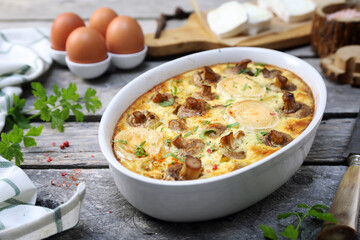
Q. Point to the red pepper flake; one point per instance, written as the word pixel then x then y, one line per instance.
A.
pixel 52 182
pixel 66 143
pixel 62 146
pixel 215 167
pixel 54 143
pixel 45 154
pixel 59 185
pixel 92 156
pixel 272 114
pixel 63 174
pixel 68 185
pixel 110 211
pixel 209 150
pixel 49 159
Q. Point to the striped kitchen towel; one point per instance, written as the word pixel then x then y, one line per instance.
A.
pixel 24 56
pixel 20 218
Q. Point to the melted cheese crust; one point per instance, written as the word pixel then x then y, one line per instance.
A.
pixel 232 91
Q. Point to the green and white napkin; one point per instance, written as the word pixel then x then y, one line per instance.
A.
pixel 24 56
pixel 20 219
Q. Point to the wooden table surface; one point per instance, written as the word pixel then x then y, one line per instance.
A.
pixel 105 213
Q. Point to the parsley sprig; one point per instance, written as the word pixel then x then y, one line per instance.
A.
pixel 10 142
pixel 53 108
pixel 291 232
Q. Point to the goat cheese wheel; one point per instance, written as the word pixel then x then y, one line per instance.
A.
pixel 241 85
pixel 138 143
pixel 252 115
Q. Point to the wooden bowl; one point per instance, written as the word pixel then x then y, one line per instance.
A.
pixel 329 35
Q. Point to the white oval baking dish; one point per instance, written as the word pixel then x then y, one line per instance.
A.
pixel 198 200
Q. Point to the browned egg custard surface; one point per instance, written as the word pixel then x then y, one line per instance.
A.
pixel 212 120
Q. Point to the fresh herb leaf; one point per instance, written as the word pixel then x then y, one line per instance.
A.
pixel 174 156
pixel 206 122
pixel 217 96
pixel 187 134
pixel 259 64
pixel 121 141
pixel 264 133
pixel 230 100
pixel 206 83
pixel 175 91
pixel 226 105
pixel 258 138
pixel 205 133
pixel 167 103
pixel 244 87
pixel 258 71
pixel 233 125
pixel 140 151
pixel 10 142
pixel 268 232
pixel 16 116
pixel 291 232
pixel 243 71
pixel 56 108
pixel 196 128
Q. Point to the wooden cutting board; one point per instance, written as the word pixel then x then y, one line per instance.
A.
pixel 193 37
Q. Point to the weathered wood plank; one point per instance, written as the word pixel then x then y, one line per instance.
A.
pixel 341 98
pixel 42 9
pixel 84 151
pixel 148 26
pixel 310 185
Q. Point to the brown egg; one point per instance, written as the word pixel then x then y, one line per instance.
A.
pixel 124 36
pixel 62 26
pixel 101 18
pixel 86 45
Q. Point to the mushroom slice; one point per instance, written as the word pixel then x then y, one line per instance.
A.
pixel 276 139
pixel 177 125
pixel 294 109
pixel 270 73
pixel 205 75
pixel 188 147
pixel 217 130
pixel 179 142
pixel 239 67
pixel 251 114
pixel 194 147
pixel 172 173
pixel 138 143
pixel 229 143
pixel 191 169
pixel 241 86
pixel 283 83
pixel 143 118
pixel 193 108
pixel 206 94
pixel 235 155
pixel 162 97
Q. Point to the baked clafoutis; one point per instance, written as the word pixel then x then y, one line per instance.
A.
pixel 212 120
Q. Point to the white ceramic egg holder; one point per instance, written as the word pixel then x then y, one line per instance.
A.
pixel 93 70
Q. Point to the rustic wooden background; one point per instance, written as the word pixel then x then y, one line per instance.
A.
pixel 105 213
